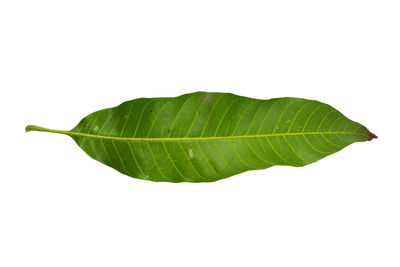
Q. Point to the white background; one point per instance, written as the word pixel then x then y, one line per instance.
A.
pixel 61 60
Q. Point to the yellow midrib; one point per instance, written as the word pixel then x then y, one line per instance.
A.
pixel 117 138
pixel 202 138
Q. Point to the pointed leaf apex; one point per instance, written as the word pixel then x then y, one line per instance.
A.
pixel 371 136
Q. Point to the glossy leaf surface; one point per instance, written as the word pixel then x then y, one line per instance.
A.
pixel 203 137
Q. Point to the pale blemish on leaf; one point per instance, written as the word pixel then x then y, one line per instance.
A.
pixel 190 152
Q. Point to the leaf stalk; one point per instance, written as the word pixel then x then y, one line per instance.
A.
pixel 31 128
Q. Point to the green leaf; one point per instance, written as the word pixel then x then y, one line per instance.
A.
pixel 204 137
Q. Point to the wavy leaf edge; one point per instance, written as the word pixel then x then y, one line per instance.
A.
pixel 141 167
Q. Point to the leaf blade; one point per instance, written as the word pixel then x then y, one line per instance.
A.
pixel 202 137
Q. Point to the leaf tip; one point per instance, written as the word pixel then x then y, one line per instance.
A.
pixel 371 135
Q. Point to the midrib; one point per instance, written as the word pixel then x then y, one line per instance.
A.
pixel 169 139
